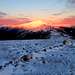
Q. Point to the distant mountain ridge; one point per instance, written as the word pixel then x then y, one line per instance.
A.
pixel 68 30
pixel 7 33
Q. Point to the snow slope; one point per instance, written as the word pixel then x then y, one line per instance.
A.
pixel 49 56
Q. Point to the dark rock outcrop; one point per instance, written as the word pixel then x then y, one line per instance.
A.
pixel 19 34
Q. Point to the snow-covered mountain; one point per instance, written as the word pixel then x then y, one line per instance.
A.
pixel 20 34
pixel 53 56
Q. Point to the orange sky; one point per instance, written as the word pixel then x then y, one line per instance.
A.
pixel 37 14
pixel 36 24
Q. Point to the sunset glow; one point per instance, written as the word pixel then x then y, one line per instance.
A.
pixel 37 15
pixel 37 24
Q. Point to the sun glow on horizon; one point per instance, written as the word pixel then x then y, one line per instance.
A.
pixel 37 24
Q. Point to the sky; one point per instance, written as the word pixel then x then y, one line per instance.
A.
pixel 37 9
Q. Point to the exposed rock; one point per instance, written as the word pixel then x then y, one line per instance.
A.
pixel 44 61
pixel 10 62
pixel 61 55
pixel 50 47
pixel 44 50
pixel 52 54
pixel 60 45
pixel 0 67
pixel 23 48
pixel 67 42
pixel 26 57
pixel 36 43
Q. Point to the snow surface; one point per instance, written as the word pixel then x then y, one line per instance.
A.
pixel 56 59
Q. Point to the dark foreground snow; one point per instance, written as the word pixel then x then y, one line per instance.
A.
pixel 54 56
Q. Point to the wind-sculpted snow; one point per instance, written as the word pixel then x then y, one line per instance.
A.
pixel 54 56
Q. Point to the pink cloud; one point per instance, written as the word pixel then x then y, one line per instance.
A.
pixel 14 21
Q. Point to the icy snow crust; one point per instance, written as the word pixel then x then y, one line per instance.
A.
pixel 49 56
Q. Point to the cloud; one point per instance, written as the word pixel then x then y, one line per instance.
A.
pixel 69 21
pixel 71 3
pixel 2 14
pixel 16 21
pixel 58 13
